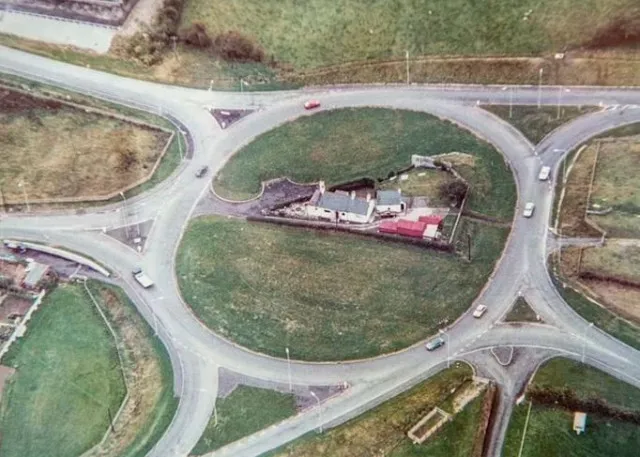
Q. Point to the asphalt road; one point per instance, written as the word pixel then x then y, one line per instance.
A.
pixel 197 353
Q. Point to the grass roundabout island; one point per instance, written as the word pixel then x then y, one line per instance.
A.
pixel 331 295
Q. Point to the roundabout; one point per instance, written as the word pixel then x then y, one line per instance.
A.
pixel 197 353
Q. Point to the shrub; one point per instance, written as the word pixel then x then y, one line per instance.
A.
pixel 196 35
pixel 233 45
pixel 454 191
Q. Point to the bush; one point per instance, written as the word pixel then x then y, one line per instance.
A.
pixel 454 191
pixel 233 45
pixel 196 35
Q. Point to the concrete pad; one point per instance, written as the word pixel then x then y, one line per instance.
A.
pixel 57 31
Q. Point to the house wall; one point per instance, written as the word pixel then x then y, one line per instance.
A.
pixel 329 215
pixel 389 208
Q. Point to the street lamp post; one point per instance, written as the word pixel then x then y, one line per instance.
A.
pixel 442 332
pixel 540 87
pixel 24 193
pixel 210 85
pixel 584 340
pixel 289 369
pixel 406 57
pixel 313 394
pixel 124 215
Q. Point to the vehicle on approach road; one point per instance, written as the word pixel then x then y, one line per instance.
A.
pixel 142 278
pixel 311 104
pixel 479 311
pixel 434 344
pixel 544 173
pixel 202 171
pixel 528 209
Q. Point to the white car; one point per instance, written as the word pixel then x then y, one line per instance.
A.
pixel 528 209
pixel 544 173
pixel 479 312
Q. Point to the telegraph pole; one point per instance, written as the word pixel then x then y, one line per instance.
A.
pixel 469 247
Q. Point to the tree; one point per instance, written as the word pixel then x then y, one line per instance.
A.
pixel 196 35
pixel 454 191
pixel 233 45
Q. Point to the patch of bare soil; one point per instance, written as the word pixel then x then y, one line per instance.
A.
pixel 142 371
pixel 5 374
pixel 13 305
pixel 16 102
pixel 622 300
pixel 621 32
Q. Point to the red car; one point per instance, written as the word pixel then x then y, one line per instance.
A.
pixel 311 104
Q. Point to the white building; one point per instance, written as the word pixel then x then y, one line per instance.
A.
pixel 390 202
pixel 340 206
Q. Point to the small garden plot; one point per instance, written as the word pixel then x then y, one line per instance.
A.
pixel 52 151
pixel 422 183
pixel 616 187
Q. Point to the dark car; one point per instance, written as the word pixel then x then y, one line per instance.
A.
pixel 202 171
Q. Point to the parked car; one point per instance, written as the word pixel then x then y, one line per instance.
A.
pixel 544 173
pixel 142 278
pixel 479 311
pixel 528 209
pixel 311 104
pixel 202 171
pixel 434 344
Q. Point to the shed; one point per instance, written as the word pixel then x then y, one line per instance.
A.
pixel 579 422
pixel 390 202
pixel 431 231
pixel 432 219
pixel 388 227
pixel 35 273
pixel 414 229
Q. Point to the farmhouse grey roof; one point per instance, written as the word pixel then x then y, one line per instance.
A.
pixel 343 203
pixel 35 274
pixel 388 197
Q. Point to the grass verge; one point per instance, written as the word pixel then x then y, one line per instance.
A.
pixel 244 412
pixel 68 369
pixel 330 296
pixel 521 312
pixel 382 431
pixel 365 142
pixel 549 430
pixel 535 123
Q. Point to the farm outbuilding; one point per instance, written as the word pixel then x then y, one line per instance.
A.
pixel 431 220
pixel 388 227
pixel 35 274
pixel 390 202
pixel 340 206
pixel 414 229
pixel 431 231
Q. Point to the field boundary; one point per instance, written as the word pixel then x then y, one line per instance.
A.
pixel 22 327
pixel 89 109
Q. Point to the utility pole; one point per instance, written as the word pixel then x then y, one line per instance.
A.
pixel 113 430
pixel 24 193
pixel 558 104
pixel 210 85
pixel 510 102
pixel 406 56
pixel 175 48
pixel 540 87
pixel 469 247
pixel 584 340
pixel 442 332
pixel 289 369
pixel 124 215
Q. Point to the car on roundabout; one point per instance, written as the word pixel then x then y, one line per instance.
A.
pixel 434 344
pixel 479 311
pixel 528 209
pixel 311 104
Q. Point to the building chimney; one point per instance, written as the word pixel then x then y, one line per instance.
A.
pixel 368 197
pixel 353 195
pixel 321 187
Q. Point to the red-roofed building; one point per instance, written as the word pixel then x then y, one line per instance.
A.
pixel 414 229
pixel 431 220
pixel 388 227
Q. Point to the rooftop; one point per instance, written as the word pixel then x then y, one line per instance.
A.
pixel 389 197
pixel 341 202
pixel 35 274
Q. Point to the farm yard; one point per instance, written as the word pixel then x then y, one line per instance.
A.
pixel 561 387
pixel 331 296
pixel 50 151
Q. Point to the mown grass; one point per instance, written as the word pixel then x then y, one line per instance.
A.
pixel 322 32
pixel 535 123
pixel 244 412
pixel 549 431
pixel 521 312
pixel 347 144
pixel 68 379
pixel 328 296
pixel 382 431
pixel 427 185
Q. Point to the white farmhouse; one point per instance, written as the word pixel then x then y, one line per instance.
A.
pixel 390 202
pixel 340 206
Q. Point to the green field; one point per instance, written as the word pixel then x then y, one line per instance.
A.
pixel 535 123
pixel 244 412
pixel 68 378
pixel 328 296
pixel 549 430
pixel 382 431
pixel 347 144
pixel 601 317
pixel 323 32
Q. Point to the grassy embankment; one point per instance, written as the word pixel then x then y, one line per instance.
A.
pixel 383 429
pixel 549 431
pixel 366 142
pixel 246 411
